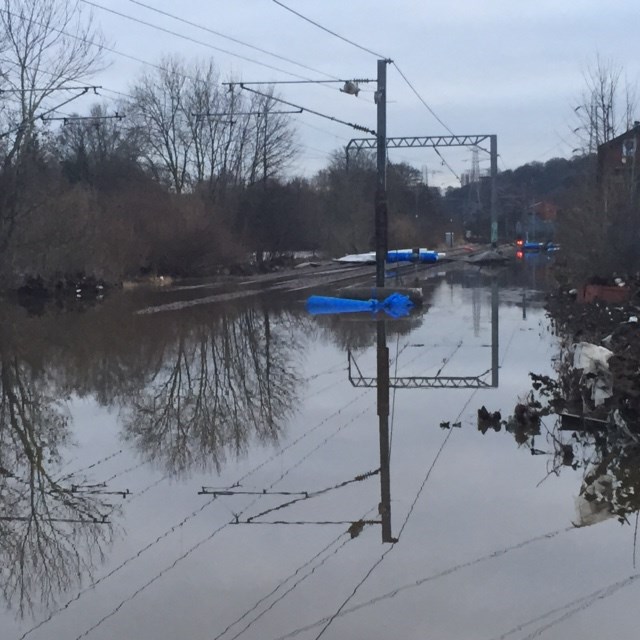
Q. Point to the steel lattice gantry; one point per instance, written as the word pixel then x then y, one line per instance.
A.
pixel 421 382
pixel 404 142
pixel 486 380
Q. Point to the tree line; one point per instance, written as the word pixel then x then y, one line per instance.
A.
pixel 182 174
pixel 185 174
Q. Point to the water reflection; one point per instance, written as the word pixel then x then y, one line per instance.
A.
pixel 190 389
pixel 51 534
pixel 220 384
pixel 557 419
pixel 478 381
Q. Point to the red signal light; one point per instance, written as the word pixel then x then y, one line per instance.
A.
pixel 519 242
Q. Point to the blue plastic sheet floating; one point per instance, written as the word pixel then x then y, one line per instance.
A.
pixel 397 305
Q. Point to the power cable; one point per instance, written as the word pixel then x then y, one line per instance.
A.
pixel 196 512
pixel 80 39
pixel 40 116
pixel 200 543
pixel 190 39
pixel 93 465
pixel 444 162
pixel 402 528
pixel 311 494
pixel 430 578
pixel 333 33
pixel 431 111
pixel 572 608
pixel 147 584
pixel 226 37
pixel 297 106
pixel 446 360
pixel 292 588
pixel 277 588
pixel 422 100
pixel 115 570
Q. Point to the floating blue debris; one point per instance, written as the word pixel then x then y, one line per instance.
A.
pixel 397 305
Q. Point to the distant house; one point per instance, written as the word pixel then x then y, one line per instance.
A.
pixel 545 210
pixel 619 163
pixel 540 221
pixel 618 184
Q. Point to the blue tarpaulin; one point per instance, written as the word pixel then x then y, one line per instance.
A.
pixel 396 305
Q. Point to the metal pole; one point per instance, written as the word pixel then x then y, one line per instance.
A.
pixel 495 332
pixel 494 189
pixel 381 163
pixel 383 418
pixel 264 144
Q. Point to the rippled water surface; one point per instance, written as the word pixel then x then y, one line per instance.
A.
pixel 220 470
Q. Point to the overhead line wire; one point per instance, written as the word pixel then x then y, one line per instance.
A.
pixel 232 39
pixel 196 512
pixel 200 543
pixel 190 39
pixel 100 46
pixel 276 589
pixel 147 584
pixel 39 116
pixel 91 466
pixel 402 528
pixel 313 494
pixel 323 28
pixel 422 100
pixel 430 578
pixel 580 604
pixel 444 162
pixel 295 584
pixel 353 125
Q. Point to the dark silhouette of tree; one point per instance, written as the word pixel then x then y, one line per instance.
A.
pixel 221 385
pixel 51 537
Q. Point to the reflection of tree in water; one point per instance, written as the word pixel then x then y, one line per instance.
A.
pixel 50 537
pixel 222 384
pixel 358 330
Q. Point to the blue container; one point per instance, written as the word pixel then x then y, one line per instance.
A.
pixel 407 255
pixel 401 256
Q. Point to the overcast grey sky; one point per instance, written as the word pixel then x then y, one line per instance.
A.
pixel 513 68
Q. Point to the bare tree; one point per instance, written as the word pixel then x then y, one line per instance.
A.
pixel 91 148
pixel 51 47
pixel 606 106
pixel 159 109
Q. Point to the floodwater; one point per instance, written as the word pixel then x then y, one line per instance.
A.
pixel 217 471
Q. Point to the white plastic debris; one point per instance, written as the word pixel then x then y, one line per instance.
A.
pixel 633 319
pixel 593 359
pixel 594 504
